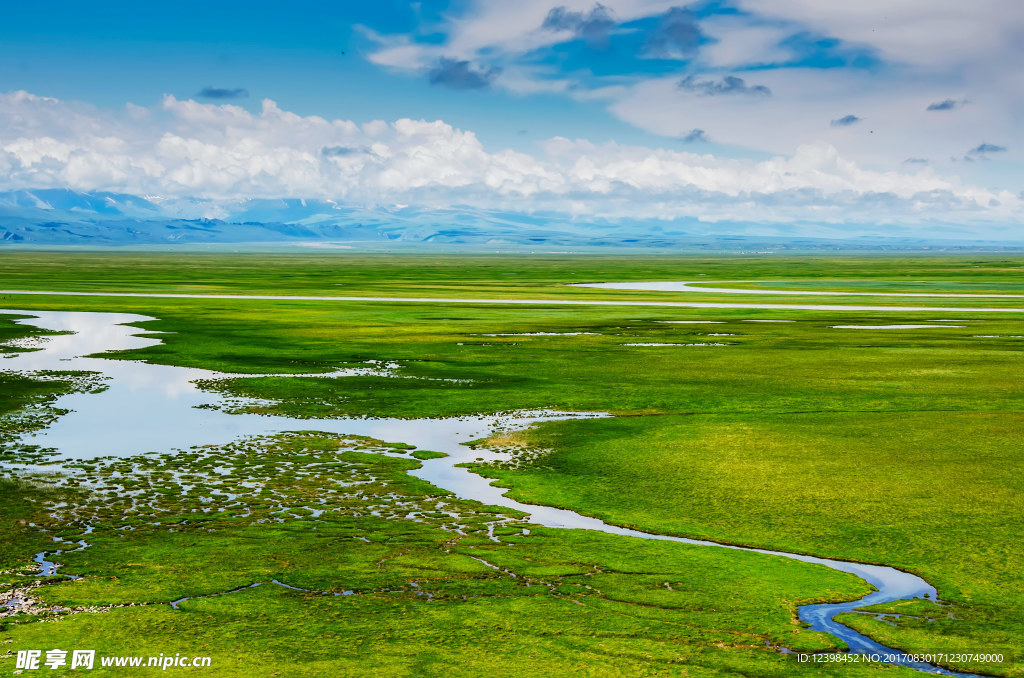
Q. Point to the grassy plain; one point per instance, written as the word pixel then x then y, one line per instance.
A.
pixel 500 275
pixel 399 578
pixel 900 447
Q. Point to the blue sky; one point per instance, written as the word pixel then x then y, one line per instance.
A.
pixel 311 58
pixel 900 111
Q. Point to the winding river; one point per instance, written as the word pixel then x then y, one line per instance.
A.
pixel 158 408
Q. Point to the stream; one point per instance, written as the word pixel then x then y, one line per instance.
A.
pixel 158 408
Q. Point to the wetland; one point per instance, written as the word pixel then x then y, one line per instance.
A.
pixel 305 443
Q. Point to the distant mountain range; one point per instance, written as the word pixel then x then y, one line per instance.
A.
pixel 64 217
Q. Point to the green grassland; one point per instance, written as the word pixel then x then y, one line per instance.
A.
pixel 423 580
pixel 899 447
pixel 498 275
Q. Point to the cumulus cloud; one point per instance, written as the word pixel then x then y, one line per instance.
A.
pixel 461 75
pixel 981 149
pixel 222 93
pixel 593 26
pixel 945 105
pixel 730 84
pixel 676 35
pixel 222 152
pixel 845 121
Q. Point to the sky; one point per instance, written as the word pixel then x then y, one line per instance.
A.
pixel 907 114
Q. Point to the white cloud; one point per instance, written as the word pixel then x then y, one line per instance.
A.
pixel 895 124
pixel 516 27
pixel 496 33
pixel 924 52
pixel 741 42
pixel 224 152
pixel 937 35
